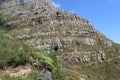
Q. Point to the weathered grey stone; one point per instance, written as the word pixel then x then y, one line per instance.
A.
pixel 45 75
pixel 89 41
pixel 9 3
pixel 81 57
pixel 107 43
pixel 43 6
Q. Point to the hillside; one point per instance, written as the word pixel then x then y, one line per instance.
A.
pixel 54 44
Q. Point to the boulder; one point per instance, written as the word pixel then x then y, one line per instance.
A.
pixel 45 75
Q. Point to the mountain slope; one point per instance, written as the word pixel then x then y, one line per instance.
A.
pixel 82 52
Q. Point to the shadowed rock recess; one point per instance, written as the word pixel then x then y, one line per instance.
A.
pixel 82 51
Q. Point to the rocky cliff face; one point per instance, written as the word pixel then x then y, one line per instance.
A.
pixel 9 3
pixel 49 29
pixel 43 5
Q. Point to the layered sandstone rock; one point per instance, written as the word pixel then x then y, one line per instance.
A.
pixel 10 3
pixel 49 29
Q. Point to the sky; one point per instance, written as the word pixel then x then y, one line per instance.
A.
pixel 104 15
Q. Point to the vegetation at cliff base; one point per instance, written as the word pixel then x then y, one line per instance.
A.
pixel 12 52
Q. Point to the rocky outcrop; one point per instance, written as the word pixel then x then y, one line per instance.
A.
pixel 81 57
pixel 74 40
pixel 43 5
pixel 45 75
pixel 10 3
pixel 49 29
pixel 107 43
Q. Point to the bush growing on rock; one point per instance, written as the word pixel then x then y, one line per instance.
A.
pixel 47 61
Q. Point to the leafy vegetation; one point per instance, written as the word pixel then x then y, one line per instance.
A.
pixel 3 25
pixel 57 74
pixel 12 52
pixel 49 63
pixel 102 71
pixel 8 77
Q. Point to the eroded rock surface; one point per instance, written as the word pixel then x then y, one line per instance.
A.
pixel 10 3
pixel 72 38
pixel 49 29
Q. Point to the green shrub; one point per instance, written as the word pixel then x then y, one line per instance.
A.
pixel 3 25
pixel 33 75
pixel 57 74
pixel 49 63
pixel 8 77
pixel 12 52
